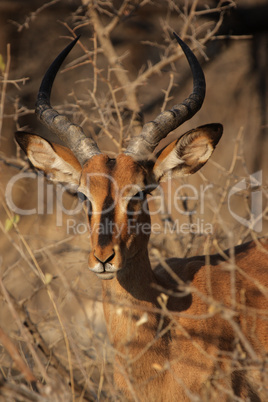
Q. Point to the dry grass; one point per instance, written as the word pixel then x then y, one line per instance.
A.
pixel 53 342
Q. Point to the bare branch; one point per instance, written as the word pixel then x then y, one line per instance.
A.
pixel 4 88
pixel 29 19
pixel 121 75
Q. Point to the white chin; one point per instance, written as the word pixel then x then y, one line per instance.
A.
pixel 106 275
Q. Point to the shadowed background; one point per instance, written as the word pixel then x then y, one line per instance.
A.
pixel 65 309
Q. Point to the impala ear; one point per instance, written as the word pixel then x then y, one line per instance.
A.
pixel 187 154
pixel 56 161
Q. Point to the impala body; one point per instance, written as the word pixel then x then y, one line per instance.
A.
pixel 186 330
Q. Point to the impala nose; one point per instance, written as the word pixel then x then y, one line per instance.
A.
pixel 104 268
pixel 103 257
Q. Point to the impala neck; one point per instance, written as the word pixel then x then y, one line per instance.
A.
pixel 129 297
pixel 133 283
pixel 129 303
pixel 139 334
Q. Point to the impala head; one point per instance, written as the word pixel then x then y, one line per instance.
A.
pixel 114 190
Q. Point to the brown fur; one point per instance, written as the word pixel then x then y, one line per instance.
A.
pixel 200 339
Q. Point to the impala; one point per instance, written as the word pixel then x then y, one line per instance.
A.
pixel 192 328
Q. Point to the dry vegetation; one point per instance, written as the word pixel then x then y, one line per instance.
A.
pixel 53 344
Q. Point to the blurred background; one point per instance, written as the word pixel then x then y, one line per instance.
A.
pixel 125 65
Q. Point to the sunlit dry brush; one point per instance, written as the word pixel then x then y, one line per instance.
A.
pixel 177 329
pixel 191 329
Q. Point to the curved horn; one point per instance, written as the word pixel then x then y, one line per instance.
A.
pixel 154 131
pixel 71 134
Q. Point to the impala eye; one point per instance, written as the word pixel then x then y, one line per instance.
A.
pixel 140 196
pixel 86 202
pixel 81 196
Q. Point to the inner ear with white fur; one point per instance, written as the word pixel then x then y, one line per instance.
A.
pixel 189 153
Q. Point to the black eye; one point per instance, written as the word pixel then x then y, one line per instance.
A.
pixel 81 196
pixel 140 196
pixel 86 203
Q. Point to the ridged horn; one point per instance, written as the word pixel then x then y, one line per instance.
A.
pixel 71 134
pixel 154 131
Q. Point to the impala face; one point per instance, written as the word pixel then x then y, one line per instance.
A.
pixel 116 206
pixel 114 190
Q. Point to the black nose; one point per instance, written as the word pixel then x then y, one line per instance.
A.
pixel 103 259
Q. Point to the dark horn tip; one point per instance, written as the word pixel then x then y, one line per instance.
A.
pixel 198 75
pixel 182 44
pixel 177 37
pixel 180 41
pixel 47 82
